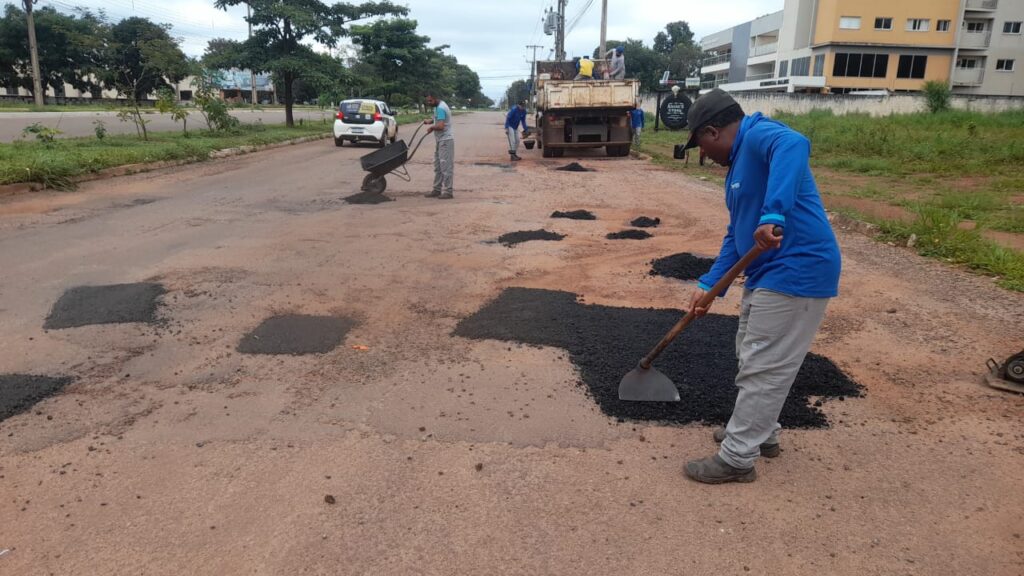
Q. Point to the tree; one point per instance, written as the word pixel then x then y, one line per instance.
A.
pixel 69 52
pixel 141 57
pixel 400 61
pixel 675 33
pixel 517 92
pixel 280 27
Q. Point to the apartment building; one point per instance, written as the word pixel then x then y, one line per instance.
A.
pixel 872 45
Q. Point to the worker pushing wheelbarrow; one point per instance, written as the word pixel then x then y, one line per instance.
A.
pixel 390 159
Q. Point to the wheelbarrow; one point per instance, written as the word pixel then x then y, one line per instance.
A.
pixel 390 159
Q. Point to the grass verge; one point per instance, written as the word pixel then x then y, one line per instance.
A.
pixel 946 170
pixel 57 164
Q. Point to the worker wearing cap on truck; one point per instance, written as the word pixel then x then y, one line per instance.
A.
pixel 617 58
pixel 769 185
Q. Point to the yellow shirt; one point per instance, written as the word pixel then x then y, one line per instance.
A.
pixel 586 67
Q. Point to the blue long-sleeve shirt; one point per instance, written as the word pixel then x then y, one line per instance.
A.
pixel 636 117
pixel 515 117
pixel 770 182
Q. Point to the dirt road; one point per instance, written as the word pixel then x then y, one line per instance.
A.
pixel 407 450
pixel 82 123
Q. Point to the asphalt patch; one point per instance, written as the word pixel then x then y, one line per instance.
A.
pixel 684 266
pixel 513 238
pixel 604 343
pixel 575 215
pixel 367 198
pixel 629 235
pixel 19 392
pixel 112 304
pixel 296 334
pixel 645 222
pixel 574 167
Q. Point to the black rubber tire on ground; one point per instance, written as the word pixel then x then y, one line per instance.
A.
pixel 547 152
pixel 395 137
pixel 339 142
pixel 558 152
pixel 374 184
pixel 617 151
pixel 383 140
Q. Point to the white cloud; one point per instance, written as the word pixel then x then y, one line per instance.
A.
pixel 487 35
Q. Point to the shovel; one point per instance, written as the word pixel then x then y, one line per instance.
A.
pixel 647 384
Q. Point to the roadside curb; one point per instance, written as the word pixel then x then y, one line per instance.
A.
pixel 844 222
pixel 128 169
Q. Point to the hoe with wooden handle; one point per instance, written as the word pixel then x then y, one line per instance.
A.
pixel 645 383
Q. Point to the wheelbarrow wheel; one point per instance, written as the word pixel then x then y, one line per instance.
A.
pixel 374 184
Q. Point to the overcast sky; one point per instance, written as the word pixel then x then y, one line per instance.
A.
pixel 488 35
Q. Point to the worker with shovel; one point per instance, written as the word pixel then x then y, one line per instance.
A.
pixel 515 117
pixel 769 186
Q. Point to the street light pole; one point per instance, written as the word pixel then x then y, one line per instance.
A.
pixel 252 74
pixel 604 28
pixel 37 84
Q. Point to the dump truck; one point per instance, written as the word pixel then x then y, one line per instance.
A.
pixel 582 113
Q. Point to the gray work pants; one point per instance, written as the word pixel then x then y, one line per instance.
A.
pixel 775 333
pixel 513 140
pixel 444 166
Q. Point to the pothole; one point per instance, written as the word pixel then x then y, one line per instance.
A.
pixel 296 334
pixel 20 392
pixel 111 304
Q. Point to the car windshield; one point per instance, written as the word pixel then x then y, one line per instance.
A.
pixel 358 107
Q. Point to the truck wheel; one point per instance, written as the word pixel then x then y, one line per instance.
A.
pixel 558 152
pixel 547 152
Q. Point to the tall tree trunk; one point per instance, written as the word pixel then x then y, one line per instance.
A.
pixel 288 119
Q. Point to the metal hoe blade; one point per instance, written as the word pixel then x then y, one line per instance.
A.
pixel 647 385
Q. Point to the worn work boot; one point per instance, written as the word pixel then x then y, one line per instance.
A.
pixel 446 196
pixel 767 450
pixel 714 470
pixel 433 194
pixel 515 158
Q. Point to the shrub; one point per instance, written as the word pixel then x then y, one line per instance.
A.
pixel 937 96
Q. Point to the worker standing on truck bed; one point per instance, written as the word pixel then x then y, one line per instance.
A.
pixel 617 57
pixel 515 117
pixel 584 69
pixel 769 184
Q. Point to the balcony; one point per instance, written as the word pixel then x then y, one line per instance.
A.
pixel 764 49
pixel 968 76
pixel 976 40
pixel 753 77
pixel 987 5
pixel 714 60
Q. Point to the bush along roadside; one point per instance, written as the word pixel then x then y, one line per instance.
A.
pixel 57 164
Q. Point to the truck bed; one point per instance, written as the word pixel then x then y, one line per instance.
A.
pixel 576 94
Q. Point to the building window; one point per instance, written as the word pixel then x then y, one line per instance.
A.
pixel 942 26
pixel 1011 27
pixel 912 66
pixel 883 23
pixel 819 65
pixel 975 26
pixel 783 68
pixel 849 23
pixel 801 66
pixel 918 24
pixel 967 63
pixel 1005 65
pixel 861 65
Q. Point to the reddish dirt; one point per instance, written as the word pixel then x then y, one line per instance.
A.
pixel 173 454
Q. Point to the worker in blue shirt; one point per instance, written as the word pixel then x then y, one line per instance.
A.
pixel 636 119
pixel 769 185
pixel 515 117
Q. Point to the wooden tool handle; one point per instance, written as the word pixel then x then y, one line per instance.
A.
pixel 708 298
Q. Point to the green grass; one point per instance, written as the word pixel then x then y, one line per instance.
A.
pixel 946 168
pixel 56 165
pixel 7 106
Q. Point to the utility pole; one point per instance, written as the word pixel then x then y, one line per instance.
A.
pixel 37 84
pixel 533 67
pixel 604 27
pixel 560 31
pixel 252 74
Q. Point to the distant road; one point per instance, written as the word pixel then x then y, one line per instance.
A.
pixel 81 123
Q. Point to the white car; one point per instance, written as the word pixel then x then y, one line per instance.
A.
pixel 363 120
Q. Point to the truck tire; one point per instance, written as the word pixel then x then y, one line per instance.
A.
pixel 558 152
pixel 547 152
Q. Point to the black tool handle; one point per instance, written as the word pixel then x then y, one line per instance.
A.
pixel 708 298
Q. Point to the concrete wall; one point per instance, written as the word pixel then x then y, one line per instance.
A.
pixel 771 102
pixel 740 52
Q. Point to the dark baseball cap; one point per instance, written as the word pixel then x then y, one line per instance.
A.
pixel 703 110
